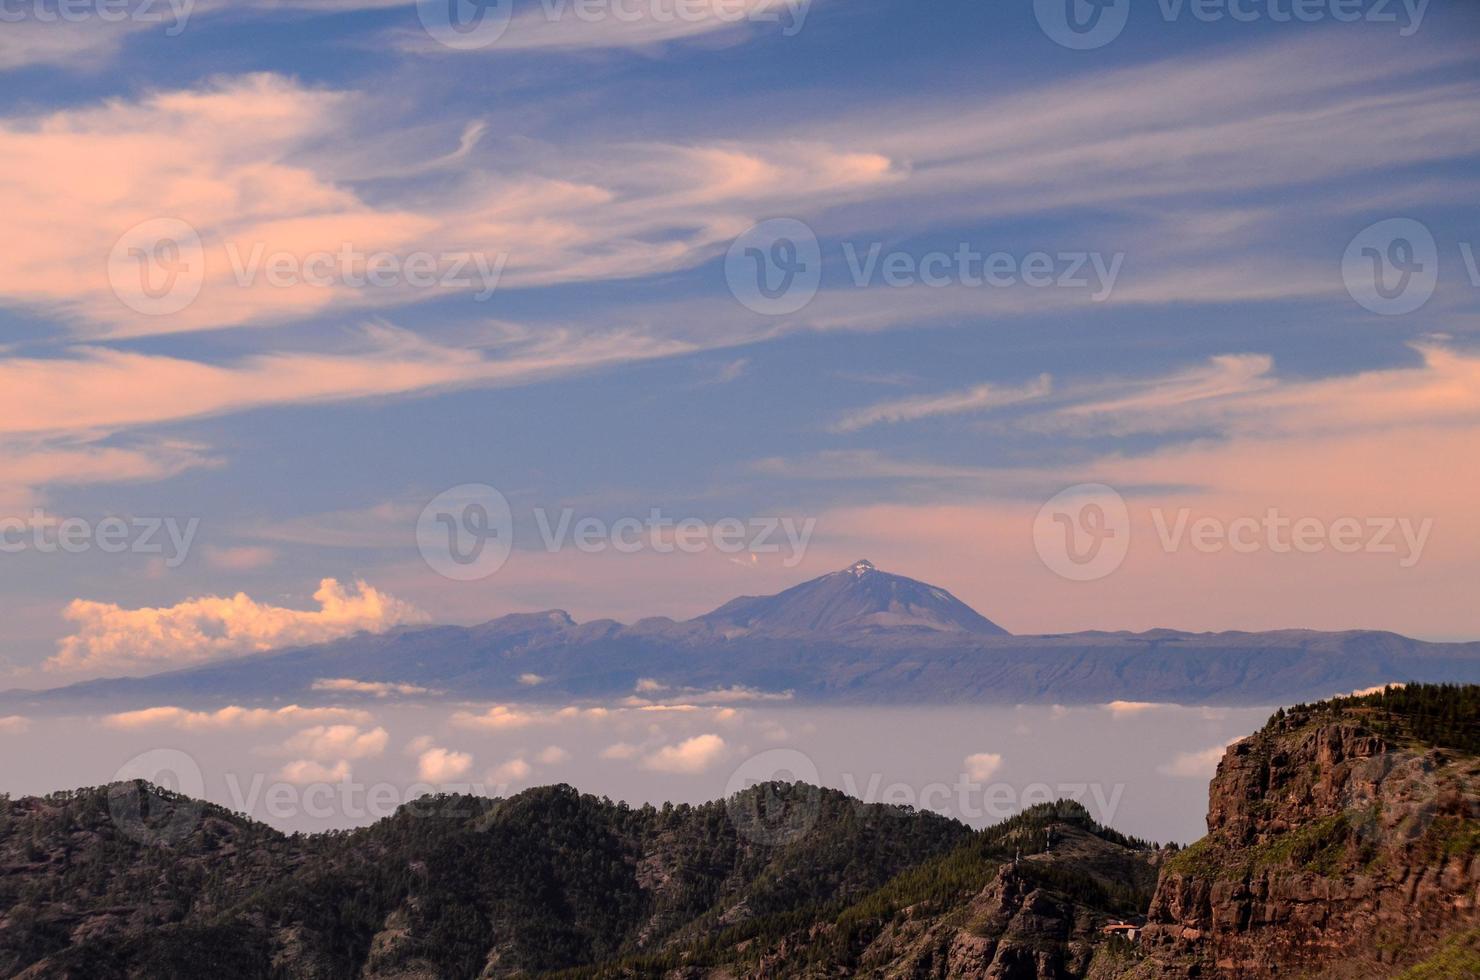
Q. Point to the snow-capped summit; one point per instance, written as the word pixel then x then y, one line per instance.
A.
pixel 860 597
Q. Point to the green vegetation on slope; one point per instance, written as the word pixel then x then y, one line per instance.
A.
pixel 1440 715
pixel 547 880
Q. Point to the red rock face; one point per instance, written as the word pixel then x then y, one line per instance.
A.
pixel 1331 851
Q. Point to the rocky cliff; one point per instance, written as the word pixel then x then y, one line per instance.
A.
pixel 1343 841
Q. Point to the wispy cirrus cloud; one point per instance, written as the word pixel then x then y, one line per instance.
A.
pixel 59 415
pixel 1243 394
pixel 100 388
pixel 29 43
pixel 1171 128
pixel 29 464
pixel 976 399
pixel 235 161
pixel 568 25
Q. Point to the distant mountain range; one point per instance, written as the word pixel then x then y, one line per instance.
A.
pixel 859 635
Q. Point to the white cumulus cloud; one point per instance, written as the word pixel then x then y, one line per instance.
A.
pixel 330 742
pixel 305 771
pixel 1194 765
pixel 500 717
pixel 113 639
pixel 380 689
pixel 1124 709
pixel 983 766
pixel 693 755
pixel 439 765
pixel 513 771
pixel 233 716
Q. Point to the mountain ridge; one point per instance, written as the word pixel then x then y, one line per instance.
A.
pixel 1344 843
pixel 859 635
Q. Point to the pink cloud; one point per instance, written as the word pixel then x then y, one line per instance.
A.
pixel 110 638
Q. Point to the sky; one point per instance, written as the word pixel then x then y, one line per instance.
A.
pixel 1168 321
pixel 1142 768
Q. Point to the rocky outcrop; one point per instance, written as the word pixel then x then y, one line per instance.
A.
pixel 1025 901
pixel 1012 930
pixel 1336 847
